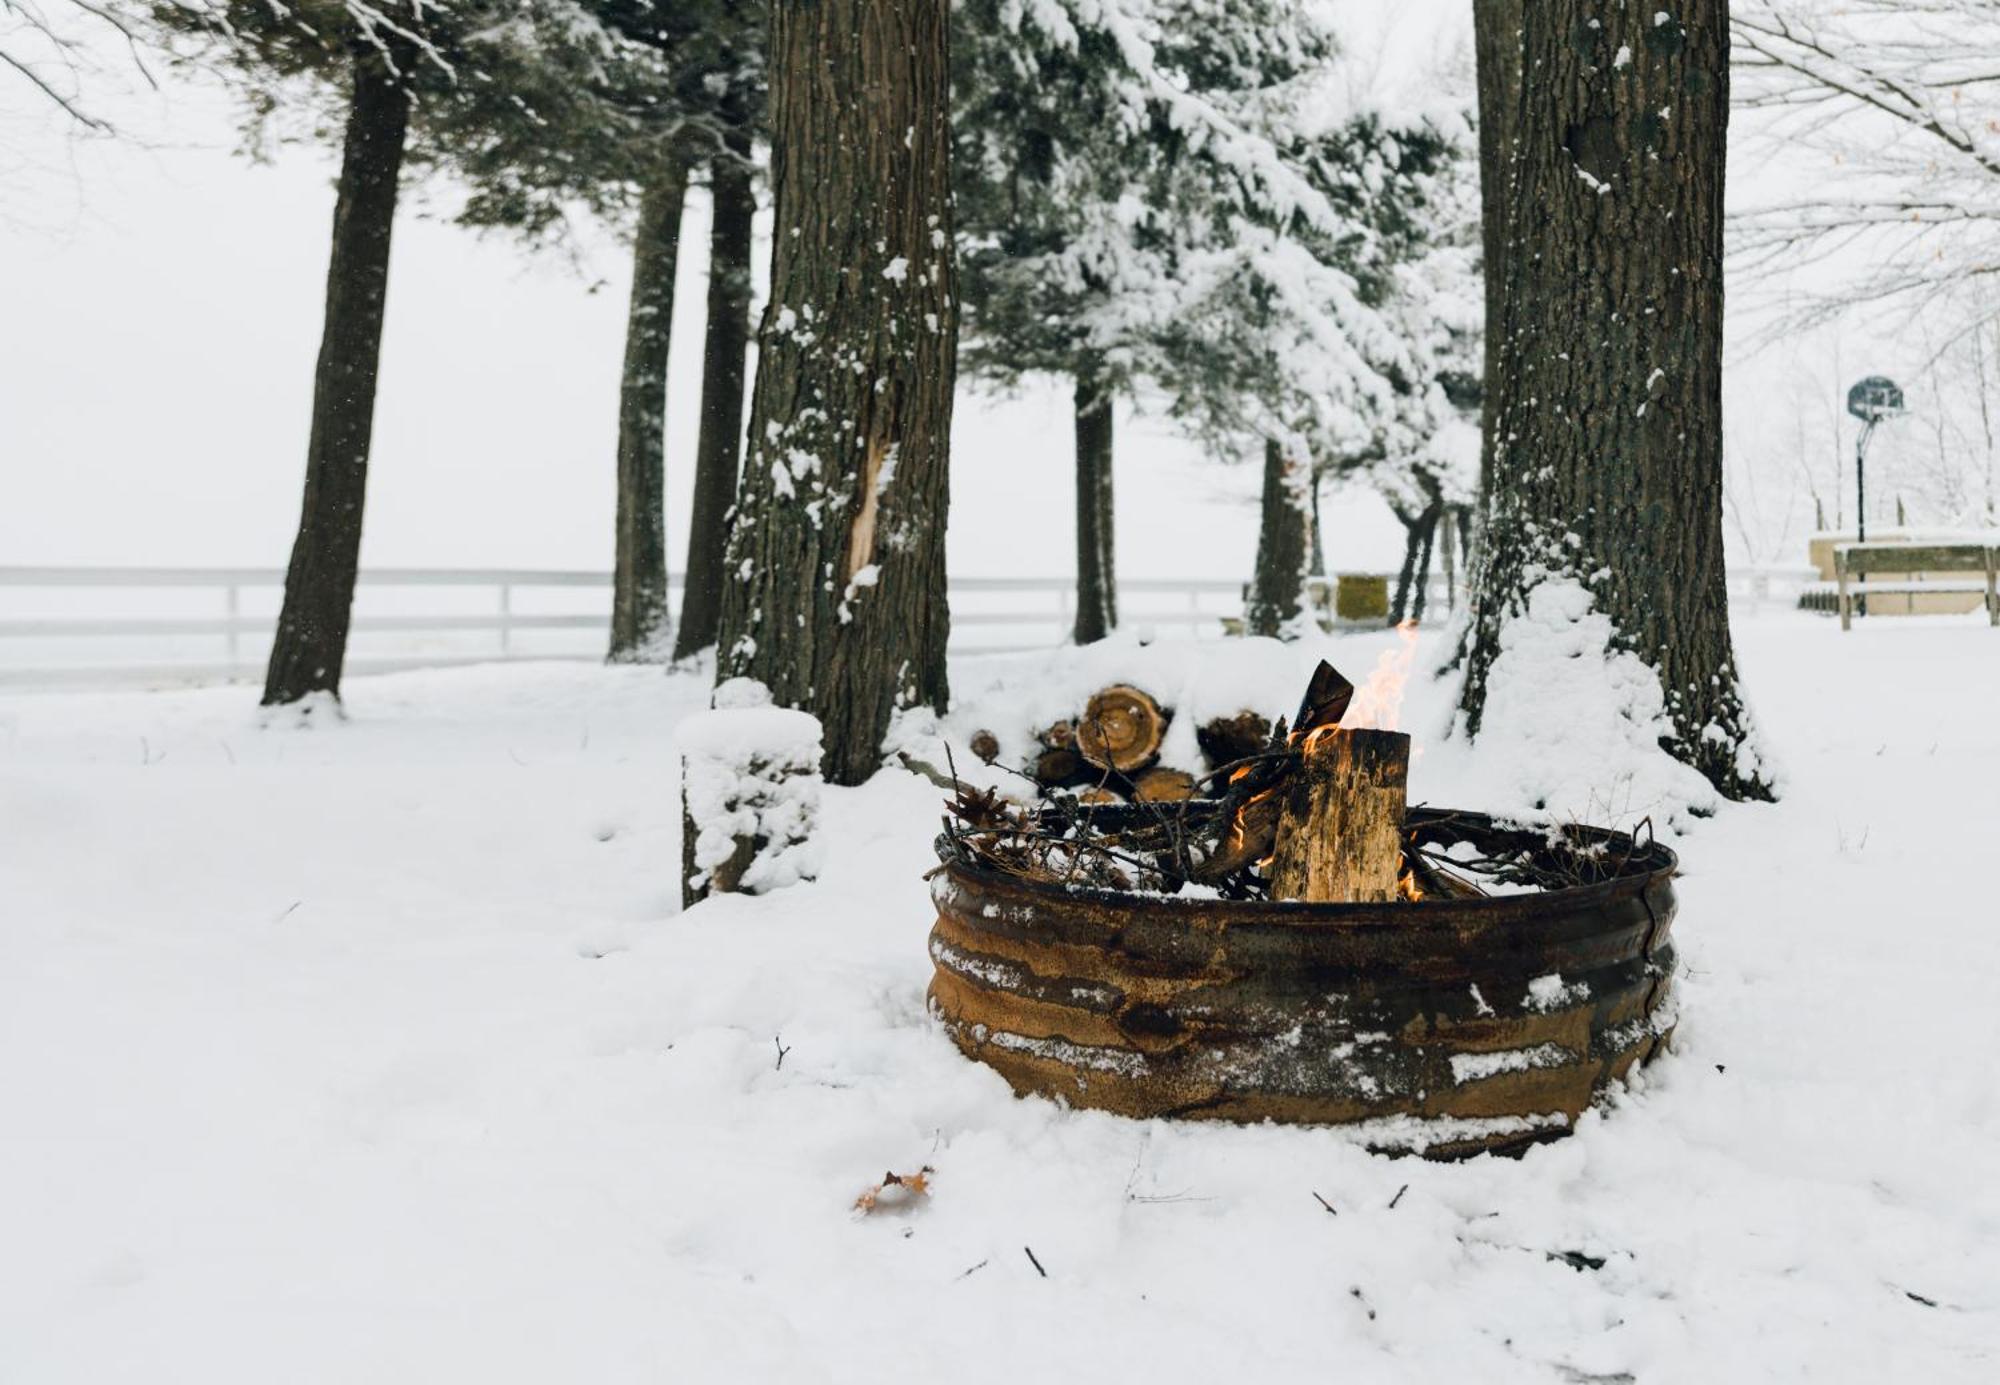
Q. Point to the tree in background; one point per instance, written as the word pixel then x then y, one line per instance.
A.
pixel 53 47
pixel 719 448
pixel 1106 154
pixel 1342 346
pixel 623 130
pixel 837 594
pixel 1606 470
pixel 389 67
pixel 1899 96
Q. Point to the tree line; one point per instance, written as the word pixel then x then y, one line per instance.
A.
pixel 1146 197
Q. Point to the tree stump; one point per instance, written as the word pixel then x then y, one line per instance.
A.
pixel 1340 819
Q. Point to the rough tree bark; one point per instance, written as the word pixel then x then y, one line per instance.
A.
pixel 1096 519
pixel 719 450
pixel 836 593
pixel 639 611
pixel 1606 467
pixel 1279 581
pixel 310 646
pixel 1496 37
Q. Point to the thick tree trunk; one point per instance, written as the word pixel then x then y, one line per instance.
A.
pixel 719 451
pixel 836 598
pixel 1279 582
pixel 311 642
pixel 1096 518
pixel 639 611
pixel 1496 31
pixel 1607 463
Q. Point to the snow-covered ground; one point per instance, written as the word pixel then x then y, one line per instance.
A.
pixel 378 1050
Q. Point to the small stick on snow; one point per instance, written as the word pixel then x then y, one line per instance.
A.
pixel 778 1042
pixel 1398 1197
pixel 1033 1261
pixel 974 1270
pixel 1324 1203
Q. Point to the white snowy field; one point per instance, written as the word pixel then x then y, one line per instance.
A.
pixel 378 1050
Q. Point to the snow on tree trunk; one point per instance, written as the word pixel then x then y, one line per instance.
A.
pixel 1096 517
pixel 750 786
pixel 1277 604
pixel 1606 469
pixel 836 578
pixel 639 611
pixel 310 646
pixel 719 450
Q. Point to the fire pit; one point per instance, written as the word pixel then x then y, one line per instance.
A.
pixel 1138 959
pixel 1488 1023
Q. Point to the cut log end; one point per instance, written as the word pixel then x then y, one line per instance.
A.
pixel 1162 785
pixel 1225 740
pixel 986 746
pixel 1121 729
pixel 1340 819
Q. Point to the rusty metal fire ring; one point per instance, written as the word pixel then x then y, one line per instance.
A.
pixel 1448 1027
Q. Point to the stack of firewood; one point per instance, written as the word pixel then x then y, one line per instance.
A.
pixel 1312 811
pixel 1109 751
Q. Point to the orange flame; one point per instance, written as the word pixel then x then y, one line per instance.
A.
pixel 1379 702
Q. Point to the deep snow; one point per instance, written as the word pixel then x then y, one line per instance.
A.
pixel 378 1050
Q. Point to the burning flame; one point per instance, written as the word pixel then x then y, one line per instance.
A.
pixel 1379 702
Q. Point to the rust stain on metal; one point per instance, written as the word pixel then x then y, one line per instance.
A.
pixel 1502 1018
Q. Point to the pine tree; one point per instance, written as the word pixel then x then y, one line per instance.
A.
pixel 1606 466
pixel 1105 152
pixel 837 596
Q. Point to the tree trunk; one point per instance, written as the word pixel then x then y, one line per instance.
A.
pixel 1096 570
pixel 1607 463
pixel 719 451
pixel 1277 586
pixel 310 646
pixel 836 594
pixel 1419 531
pixel 639 611
pixel 1318 568
pixel 1496 33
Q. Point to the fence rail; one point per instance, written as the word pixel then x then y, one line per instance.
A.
pixel 79 626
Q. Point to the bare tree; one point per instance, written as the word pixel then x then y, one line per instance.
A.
pixel 1901 99
pixel 49 44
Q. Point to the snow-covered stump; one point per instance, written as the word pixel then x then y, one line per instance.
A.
pixel 750 787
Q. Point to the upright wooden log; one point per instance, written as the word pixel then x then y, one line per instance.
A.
pixel 1121 729
pixel 1340 819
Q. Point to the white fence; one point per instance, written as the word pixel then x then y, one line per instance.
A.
pixel 79 626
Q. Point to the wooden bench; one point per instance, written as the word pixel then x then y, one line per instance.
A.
pixel 1854 564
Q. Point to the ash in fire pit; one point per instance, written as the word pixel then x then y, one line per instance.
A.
pixel 1302 949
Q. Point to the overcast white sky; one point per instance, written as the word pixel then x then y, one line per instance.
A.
pixel 160 305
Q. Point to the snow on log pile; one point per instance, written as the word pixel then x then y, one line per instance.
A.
pixel 750 784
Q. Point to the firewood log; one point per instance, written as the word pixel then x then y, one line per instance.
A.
pixel 1060 768
pixel 1225 740
pixel 1059 736
pixel 986 746
pixel 1340 818
pixel 1162 785
pixel 1121 729
pixel 1096 795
